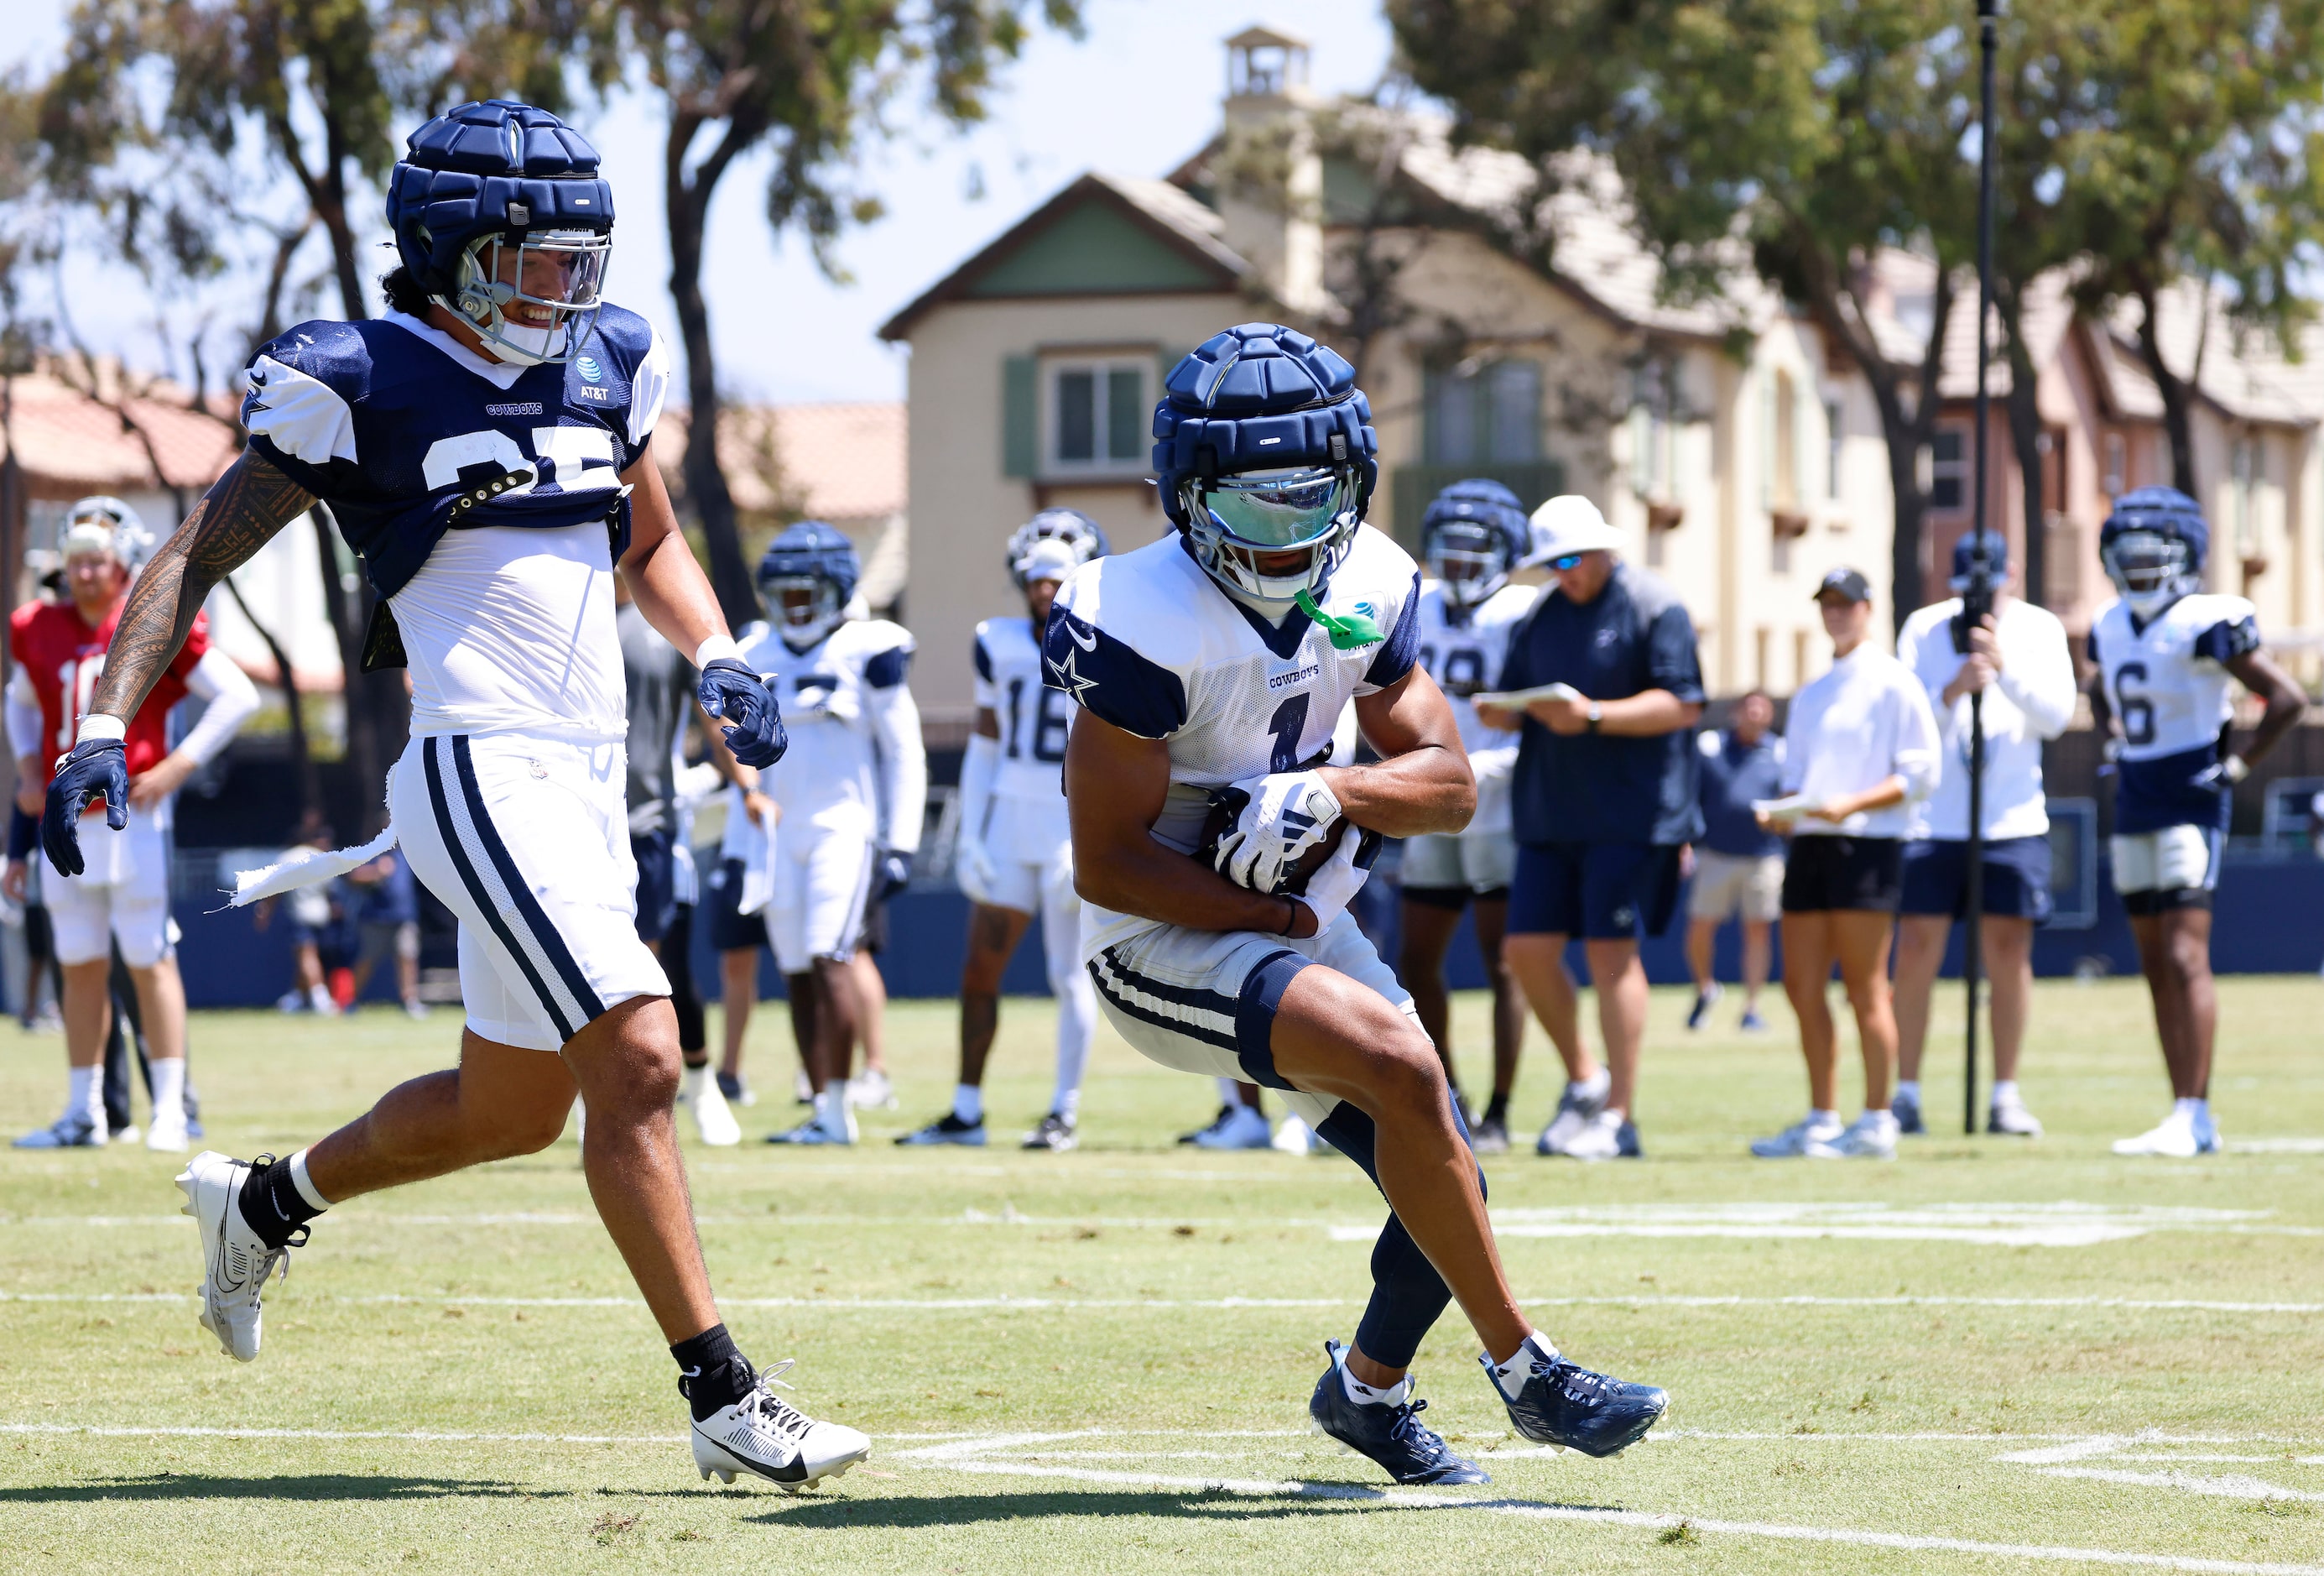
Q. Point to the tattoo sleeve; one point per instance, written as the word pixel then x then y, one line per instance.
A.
pixel 237 517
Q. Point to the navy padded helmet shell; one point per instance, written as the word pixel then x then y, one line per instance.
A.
pixel 1488 503
pixel 493 168
pixel 2166 511
pixel 1260 397
pixel 812 549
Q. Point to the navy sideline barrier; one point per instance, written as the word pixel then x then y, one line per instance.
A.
pixel 2270 919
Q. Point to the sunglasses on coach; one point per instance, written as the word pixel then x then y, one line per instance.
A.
pixel 1567 560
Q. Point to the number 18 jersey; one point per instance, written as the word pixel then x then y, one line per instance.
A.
pixel 1028 809
pixel 2168 685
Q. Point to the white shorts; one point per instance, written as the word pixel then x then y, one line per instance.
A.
pixel 2174 859
pixel 1204 1001
pixel 122 894
pixel 822 875
pixel 1043 888
pixel 1476 862
pixel 1727 883
pixel 527 841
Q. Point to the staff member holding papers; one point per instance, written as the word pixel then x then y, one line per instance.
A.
pixel 1602 799
pixel 1859 753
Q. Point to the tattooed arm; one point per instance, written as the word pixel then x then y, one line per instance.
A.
pixel 237 517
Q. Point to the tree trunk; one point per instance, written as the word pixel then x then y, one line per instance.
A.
pixel 689 207
pixel 2177 396
pixel 378 711
pixel 2026 441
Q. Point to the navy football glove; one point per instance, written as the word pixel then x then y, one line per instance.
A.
pixel 894 874
pixel 98 769
pixel 731 690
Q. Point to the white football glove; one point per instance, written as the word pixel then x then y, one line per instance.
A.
pixel 1278 819
pixel 1336 881
pixel 973 868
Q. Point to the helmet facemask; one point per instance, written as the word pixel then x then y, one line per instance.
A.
pixel 2151 568
pixel 1237 521
pixel 500 291
pixel 806 608
pixel 1470 557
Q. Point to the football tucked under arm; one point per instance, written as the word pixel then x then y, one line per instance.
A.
pixel 1272 834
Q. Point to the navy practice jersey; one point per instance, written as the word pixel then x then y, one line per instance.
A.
pixel 406 433
pixel 2168 685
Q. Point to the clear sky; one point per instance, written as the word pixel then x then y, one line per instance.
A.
pixel 1135 98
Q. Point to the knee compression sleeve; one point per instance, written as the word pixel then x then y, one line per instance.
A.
pixel 1408 1296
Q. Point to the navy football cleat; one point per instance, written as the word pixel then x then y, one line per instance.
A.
pixel 1565 1405
pixel 1394 1436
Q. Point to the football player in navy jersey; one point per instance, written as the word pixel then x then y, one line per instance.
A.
pixel 1216 856
pixel 486 447
pixel 2168 653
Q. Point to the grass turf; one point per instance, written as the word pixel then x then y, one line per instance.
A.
pixel 2009 1354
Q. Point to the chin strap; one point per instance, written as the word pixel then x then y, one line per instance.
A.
pixel 1352 632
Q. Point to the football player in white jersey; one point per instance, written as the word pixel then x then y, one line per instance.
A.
pixel 487 448
pixel 2168 653
pixel 1472 535
pixel 1014 856
pixel 838 818
pixel 1216 860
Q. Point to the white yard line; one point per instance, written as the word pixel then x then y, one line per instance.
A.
pixel 2223 1485
pixel 401 1435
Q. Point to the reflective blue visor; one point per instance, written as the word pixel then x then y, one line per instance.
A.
pixel 1281 508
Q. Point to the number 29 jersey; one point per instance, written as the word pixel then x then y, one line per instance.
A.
pixel 1028 795
pixel 2168 685
pixel 1152 645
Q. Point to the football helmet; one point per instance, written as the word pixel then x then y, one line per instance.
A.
pixel 1070 527
pixel 807 576
pixel 102 524
pixel 500 214
pixel 1475 533
pixel 2153 546
pixel 1264 451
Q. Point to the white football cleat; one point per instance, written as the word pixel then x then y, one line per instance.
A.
pixel 1871 1136
pixel 1577 1107
pixel 872 1091
pixel 1239 1126
pixel 2012 1120
pixel 1607 1136
pixel 768 1437
pixel 1811 1135
pixel 236 1262
pixel 714 1119
pixel 167 1135
pixel 1293 1136
pixel 2173 1138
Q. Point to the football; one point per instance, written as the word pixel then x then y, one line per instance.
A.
pixel 1221 820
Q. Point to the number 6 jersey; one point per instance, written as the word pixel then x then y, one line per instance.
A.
pixel 2169 688
pixel 1152 645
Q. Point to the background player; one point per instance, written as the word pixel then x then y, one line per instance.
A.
pixel 1014 856
pixel 122 893
pixel 847 800
pixel 1472 535
pixel 2166 651
pixel 498 395
pixel 1212 668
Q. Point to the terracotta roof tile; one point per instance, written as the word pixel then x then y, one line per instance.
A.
pixel 830 461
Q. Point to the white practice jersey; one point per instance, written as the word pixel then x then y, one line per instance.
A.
pixel 855 760
pixel 1028 819
pixel 1152 645
pixel 1462 650
pixel 2172 695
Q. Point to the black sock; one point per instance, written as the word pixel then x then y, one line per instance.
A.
pixel 272 1203
pixel 711 1373
pixel 1499 1109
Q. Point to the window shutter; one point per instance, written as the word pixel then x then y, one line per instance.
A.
pixel 1020 439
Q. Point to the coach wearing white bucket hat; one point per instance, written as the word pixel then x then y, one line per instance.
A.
pixel 1603 680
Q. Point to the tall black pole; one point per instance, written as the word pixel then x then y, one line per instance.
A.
pixel 1980 597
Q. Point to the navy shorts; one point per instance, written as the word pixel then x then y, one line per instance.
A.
pixel 657 883
pixel 2016 878
pixel 731 932
pixel 1827 872
pixel 1597 891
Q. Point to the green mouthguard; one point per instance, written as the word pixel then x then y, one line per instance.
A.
pixel 1350 634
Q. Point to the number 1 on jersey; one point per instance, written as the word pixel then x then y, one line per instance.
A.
pixel 1289 721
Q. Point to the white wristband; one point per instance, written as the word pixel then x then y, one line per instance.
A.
pixel 716 646
pixel 97 724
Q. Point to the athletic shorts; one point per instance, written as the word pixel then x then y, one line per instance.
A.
pixel 1598 891
pixel 122 894
pixel 1204 1001
pixel 1726 885
pixel 1823 874
pixel 822 887
pixel 730 931
pixel 2016 878
pixel 385 939
pixel 1447 869
pixel 2175 867
pixel 527 841
pixel 655 858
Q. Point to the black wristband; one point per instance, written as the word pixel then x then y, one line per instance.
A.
pixel 1290 917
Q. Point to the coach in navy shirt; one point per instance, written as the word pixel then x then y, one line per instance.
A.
pixel 1603 800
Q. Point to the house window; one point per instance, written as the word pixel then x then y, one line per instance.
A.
pixel 1784 443
pixel 1484 413
pixel 1098 416
pixel 1832 447
pixel 2245 465
pixel 1947 469
pixel 1653 433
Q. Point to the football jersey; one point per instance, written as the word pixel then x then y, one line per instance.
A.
pixel 62 656
pixel 2168 686
pixel 1462 649
pixel 855 759
pixel 503 598
pixel 1029 787
pixel 1152 645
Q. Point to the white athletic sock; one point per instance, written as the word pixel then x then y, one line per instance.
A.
pixel 2194 1106
pixel 303 1183
pixel 1909 1089
pixel 1076 1027
pixel 85 1094
pixel 169 1090
pixel 319 997
pixel 1228 1093
pixel 1597 1083
pixel 2005 1092
pixel 1364 1394
pixel 1511 1377
pixel 1068 1104
pixel 968 1104
pixel 1822 1118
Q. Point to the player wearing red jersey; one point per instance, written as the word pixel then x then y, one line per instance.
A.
pixel 123 893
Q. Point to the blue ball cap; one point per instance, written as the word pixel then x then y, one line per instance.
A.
pixel 1997 555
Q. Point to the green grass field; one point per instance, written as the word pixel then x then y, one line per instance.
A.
pixel 1988 1355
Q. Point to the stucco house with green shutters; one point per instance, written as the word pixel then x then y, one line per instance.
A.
pixel 1742 458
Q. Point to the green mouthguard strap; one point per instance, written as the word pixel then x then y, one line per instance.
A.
pixel 1348 633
